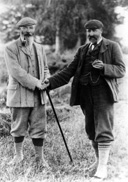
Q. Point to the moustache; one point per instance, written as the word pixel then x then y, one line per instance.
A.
pixel 28 34
pixel 92 37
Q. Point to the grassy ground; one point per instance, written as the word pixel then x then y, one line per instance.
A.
pixel 61 170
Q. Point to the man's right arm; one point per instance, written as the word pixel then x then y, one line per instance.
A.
pixel 65 75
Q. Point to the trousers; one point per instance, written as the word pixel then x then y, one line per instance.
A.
pixel 98 108
pixel 29 119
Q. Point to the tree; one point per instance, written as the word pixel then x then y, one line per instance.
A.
pixel 61 22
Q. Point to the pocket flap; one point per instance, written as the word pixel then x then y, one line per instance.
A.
pixel 12 87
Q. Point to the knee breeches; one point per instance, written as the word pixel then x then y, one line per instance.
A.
pixel 98 109
pixel 32 120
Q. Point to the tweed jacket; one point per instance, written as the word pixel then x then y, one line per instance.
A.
pixel 114 67
pixel 21 86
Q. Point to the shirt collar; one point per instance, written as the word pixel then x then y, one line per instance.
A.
pixel 98 42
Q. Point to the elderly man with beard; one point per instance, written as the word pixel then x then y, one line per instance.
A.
pixel 96 67
pixel 27 67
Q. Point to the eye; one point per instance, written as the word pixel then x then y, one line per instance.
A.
pixel 88 30
pixel 23 28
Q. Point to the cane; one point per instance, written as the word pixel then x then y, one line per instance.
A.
pixel 59 125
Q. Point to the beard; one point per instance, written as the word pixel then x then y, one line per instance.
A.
pixel 28 39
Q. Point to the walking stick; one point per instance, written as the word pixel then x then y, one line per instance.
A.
pixel 59 126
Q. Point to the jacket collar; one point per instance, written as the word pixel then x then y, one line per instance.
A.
pixel 104 45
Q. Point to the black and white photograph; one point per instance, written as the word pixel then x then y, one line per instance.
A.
pixel 63 90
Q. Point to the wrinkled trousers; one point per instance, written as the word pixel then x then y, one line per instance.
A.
pixel 98 108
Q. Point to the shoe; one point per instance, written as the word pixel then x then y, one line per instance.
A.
pixel 100 175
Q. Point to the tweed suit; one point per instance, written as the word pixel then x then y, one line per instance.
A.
pixel 114 68
pixel 22 94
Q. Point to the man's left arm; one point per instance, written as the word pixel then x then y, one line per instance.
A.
pixel 116 67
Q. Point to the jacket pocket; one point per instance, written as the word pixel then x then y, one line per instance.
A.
pixel 13 95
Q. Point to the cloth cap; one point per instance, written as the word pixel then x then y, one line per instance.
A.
pixel 94 24
pixel 27 21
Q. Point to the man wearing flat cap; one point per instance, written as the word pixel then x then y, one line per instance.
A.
pixel 27 67
pixel 96 67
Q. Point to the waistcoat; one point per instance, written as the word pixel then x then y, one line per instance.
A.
pixel 35 72
pixel 90 75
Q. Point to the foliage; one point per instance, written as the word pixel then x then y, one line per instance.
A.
pixel 58 62
pixel 5 124
pixel 3 94
pixel 3 71
pixel 65 17
pixel 124 2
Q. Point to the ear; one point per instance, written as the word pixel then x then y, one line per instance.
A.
pixel 101 29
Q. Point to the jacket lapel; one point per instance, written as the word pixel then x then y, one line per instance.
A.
pixel 21 47
pixel 103 48
pixel 83 54
pixel 104 45
pixel 38 51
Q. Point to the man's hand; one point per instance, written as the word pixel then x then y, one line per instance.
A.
pixel 39 85
pixel 98 64
pixel 45 84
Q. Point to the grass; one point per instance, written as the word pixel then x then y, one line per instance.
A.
pixel 79 146
pixel 57 157
pixel 55 153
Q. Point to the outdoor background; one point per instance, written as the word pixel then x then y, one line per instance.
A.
pixel 60 28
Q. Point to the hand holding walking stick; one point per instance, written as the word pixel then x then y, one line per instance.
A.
pixel 61 131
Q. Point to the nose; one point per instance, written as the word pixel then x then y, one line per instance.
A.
pixel 28 29
pixel 91 32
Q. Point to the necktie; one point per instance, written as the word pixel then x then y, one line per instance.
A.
pixel 92 46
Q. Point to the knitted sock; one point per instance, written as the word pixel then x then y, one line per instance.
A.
pixel 18 142
pixel 18 150
pixel 40 157
pixel 39 152
pixel 38 145
pixel 104 150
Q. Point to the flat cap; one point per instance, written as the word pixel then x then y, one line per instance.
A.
pixel 26 21
pixel 94 24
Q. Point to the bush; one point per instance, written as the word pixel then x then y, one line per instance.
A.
pixel 3 71
pixel 58 62
pixel 3 93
